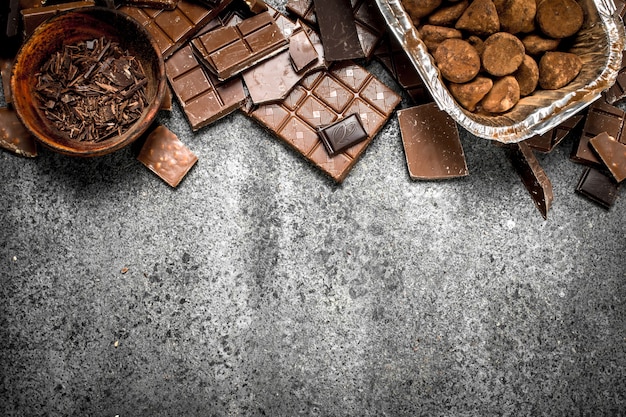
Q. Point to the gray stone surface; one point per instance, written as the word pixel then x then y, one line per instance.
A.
pixel 259 287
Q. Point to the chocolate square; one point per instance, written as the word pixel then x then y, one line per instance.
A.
pixel 342 134
pixel 597 187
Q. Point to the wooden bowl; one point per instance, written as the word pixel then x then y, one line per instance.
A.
pixel 71 28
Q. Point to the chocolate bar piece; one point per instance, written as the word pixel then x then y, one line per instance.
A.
pixel 6 64
pixel 397 62
pixel 9 18
pixel 533 176
pixel 203 98
pixel 431 143
pixel 548 141
pixel 165 155
pixel 338 30
pixel 618 90
pixel 14 136
pixel 173 28
pixel 601 117
pixel 35 16
pixel 322 98
pixel 597 187
pixel 612 153
pixel 303 9
pixel 342 134
pixel 302 51
pixel 155 4
pixel 229 50
pixel 166 104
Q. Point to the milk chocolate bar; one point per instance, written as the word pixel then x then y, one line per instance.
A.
pixel 229 50
pixel 203 98
pixel 165 155
pixel 597 187
pixel 548 141
pixel 173 28
pixel 533 176
pixel 342 134
pixel 431 143
pixel 612 153
pixel 14 136
pixel 35 16
pixel 320 99
pixel 601 117
pixel 302 51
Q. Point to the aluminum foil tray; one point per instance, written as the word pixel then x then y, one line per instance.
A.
pixel 599 44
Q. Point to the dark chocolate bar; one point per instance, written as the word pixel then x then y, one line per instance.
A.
pixel 322 98
pixel 203 98
pixel 165 155
pixel 14 136
pixel 431 143
pixel 533 176
pixel 338 30
pixel 597 187
pixel 612 153
pixel 548 141
pixel 173 28
pixel 227 51
pixel 35 16
pixel 342 134
pixel 601 117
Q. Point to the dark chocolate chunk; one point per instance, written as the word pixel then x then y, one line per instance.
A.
pixel 228 50
pixel 338 30
pixel 322 98
pixel 203 98
pixel 533 176
pixel 598 187
pixel 165 155
pixel 548 141
pixel 431 143
pixel 612 153
pixel 14 136
pixel 342 134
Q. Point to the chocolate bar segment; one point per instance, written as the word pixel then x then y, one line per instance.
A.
pixel 302 51
pixel 203 98
pixel 9 18
pixel 173 28
pixel 618 90
pixel 320 99
pixel 155 4
pixel 229 50
pixel 431 143
pixel 14 136
pixel 597 187
pixel 35 16
pixel 165 155
pixel 342 134
pixel 533 176
pixel 548 141
pixel 612 153
pixel 338 30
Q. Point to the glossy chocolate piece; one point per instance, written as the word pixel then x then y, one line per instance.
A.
pixel 431 143
pixel 342 134
pixel 322 98
pixel 338 30
pixel 548 141
pixel 533 176
pixel 35 16
pixel 601 117
pixel 618 90
pixel 14 136
pixel 227 51
pixel 173 28
pixel 302 51
pixel 598 187
pixel 165 155
pixel 203 98
pixel 303 9
pixel 612 153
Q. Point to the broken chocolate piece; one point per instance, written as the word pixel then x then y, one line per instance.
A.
pixel 533 176
pixel 612 153
pixel 155 4
pixel 342 134
pixel 302 51
pixel 618 90
pixel 227 51
pixel 165 155
pixel 597 187
pixel 9 19
pixel 203 98
pixel 338 30
pixel 35 16
pixel 322 98
pixel 548 141
pixel 14 136
pixel 431 143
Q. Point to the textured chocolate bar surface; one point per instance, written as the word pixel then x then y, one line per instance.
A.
pixel 342 134
pixel 597 187
pixel 203 98
pixel 302 51
pixel 322 98
pixel 612 153
pixel 173 28
pixel 165 155
pixel 431 143
pixel 228 50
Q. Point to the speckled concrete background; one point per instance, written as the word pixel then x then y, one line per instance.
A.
pixel 260 288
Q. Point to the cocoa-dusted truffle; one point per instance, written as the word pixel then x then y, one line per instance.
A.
pixel 503 95
pixel 420 8
pixel 480 18
pixel 503 54
pixel 433 35
pixel 557 69
pixel 527 76
pixel 559 18
pixel 536 44
pixel 469 94
pixel 449 14
pixel 457 60
pixel 516 16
